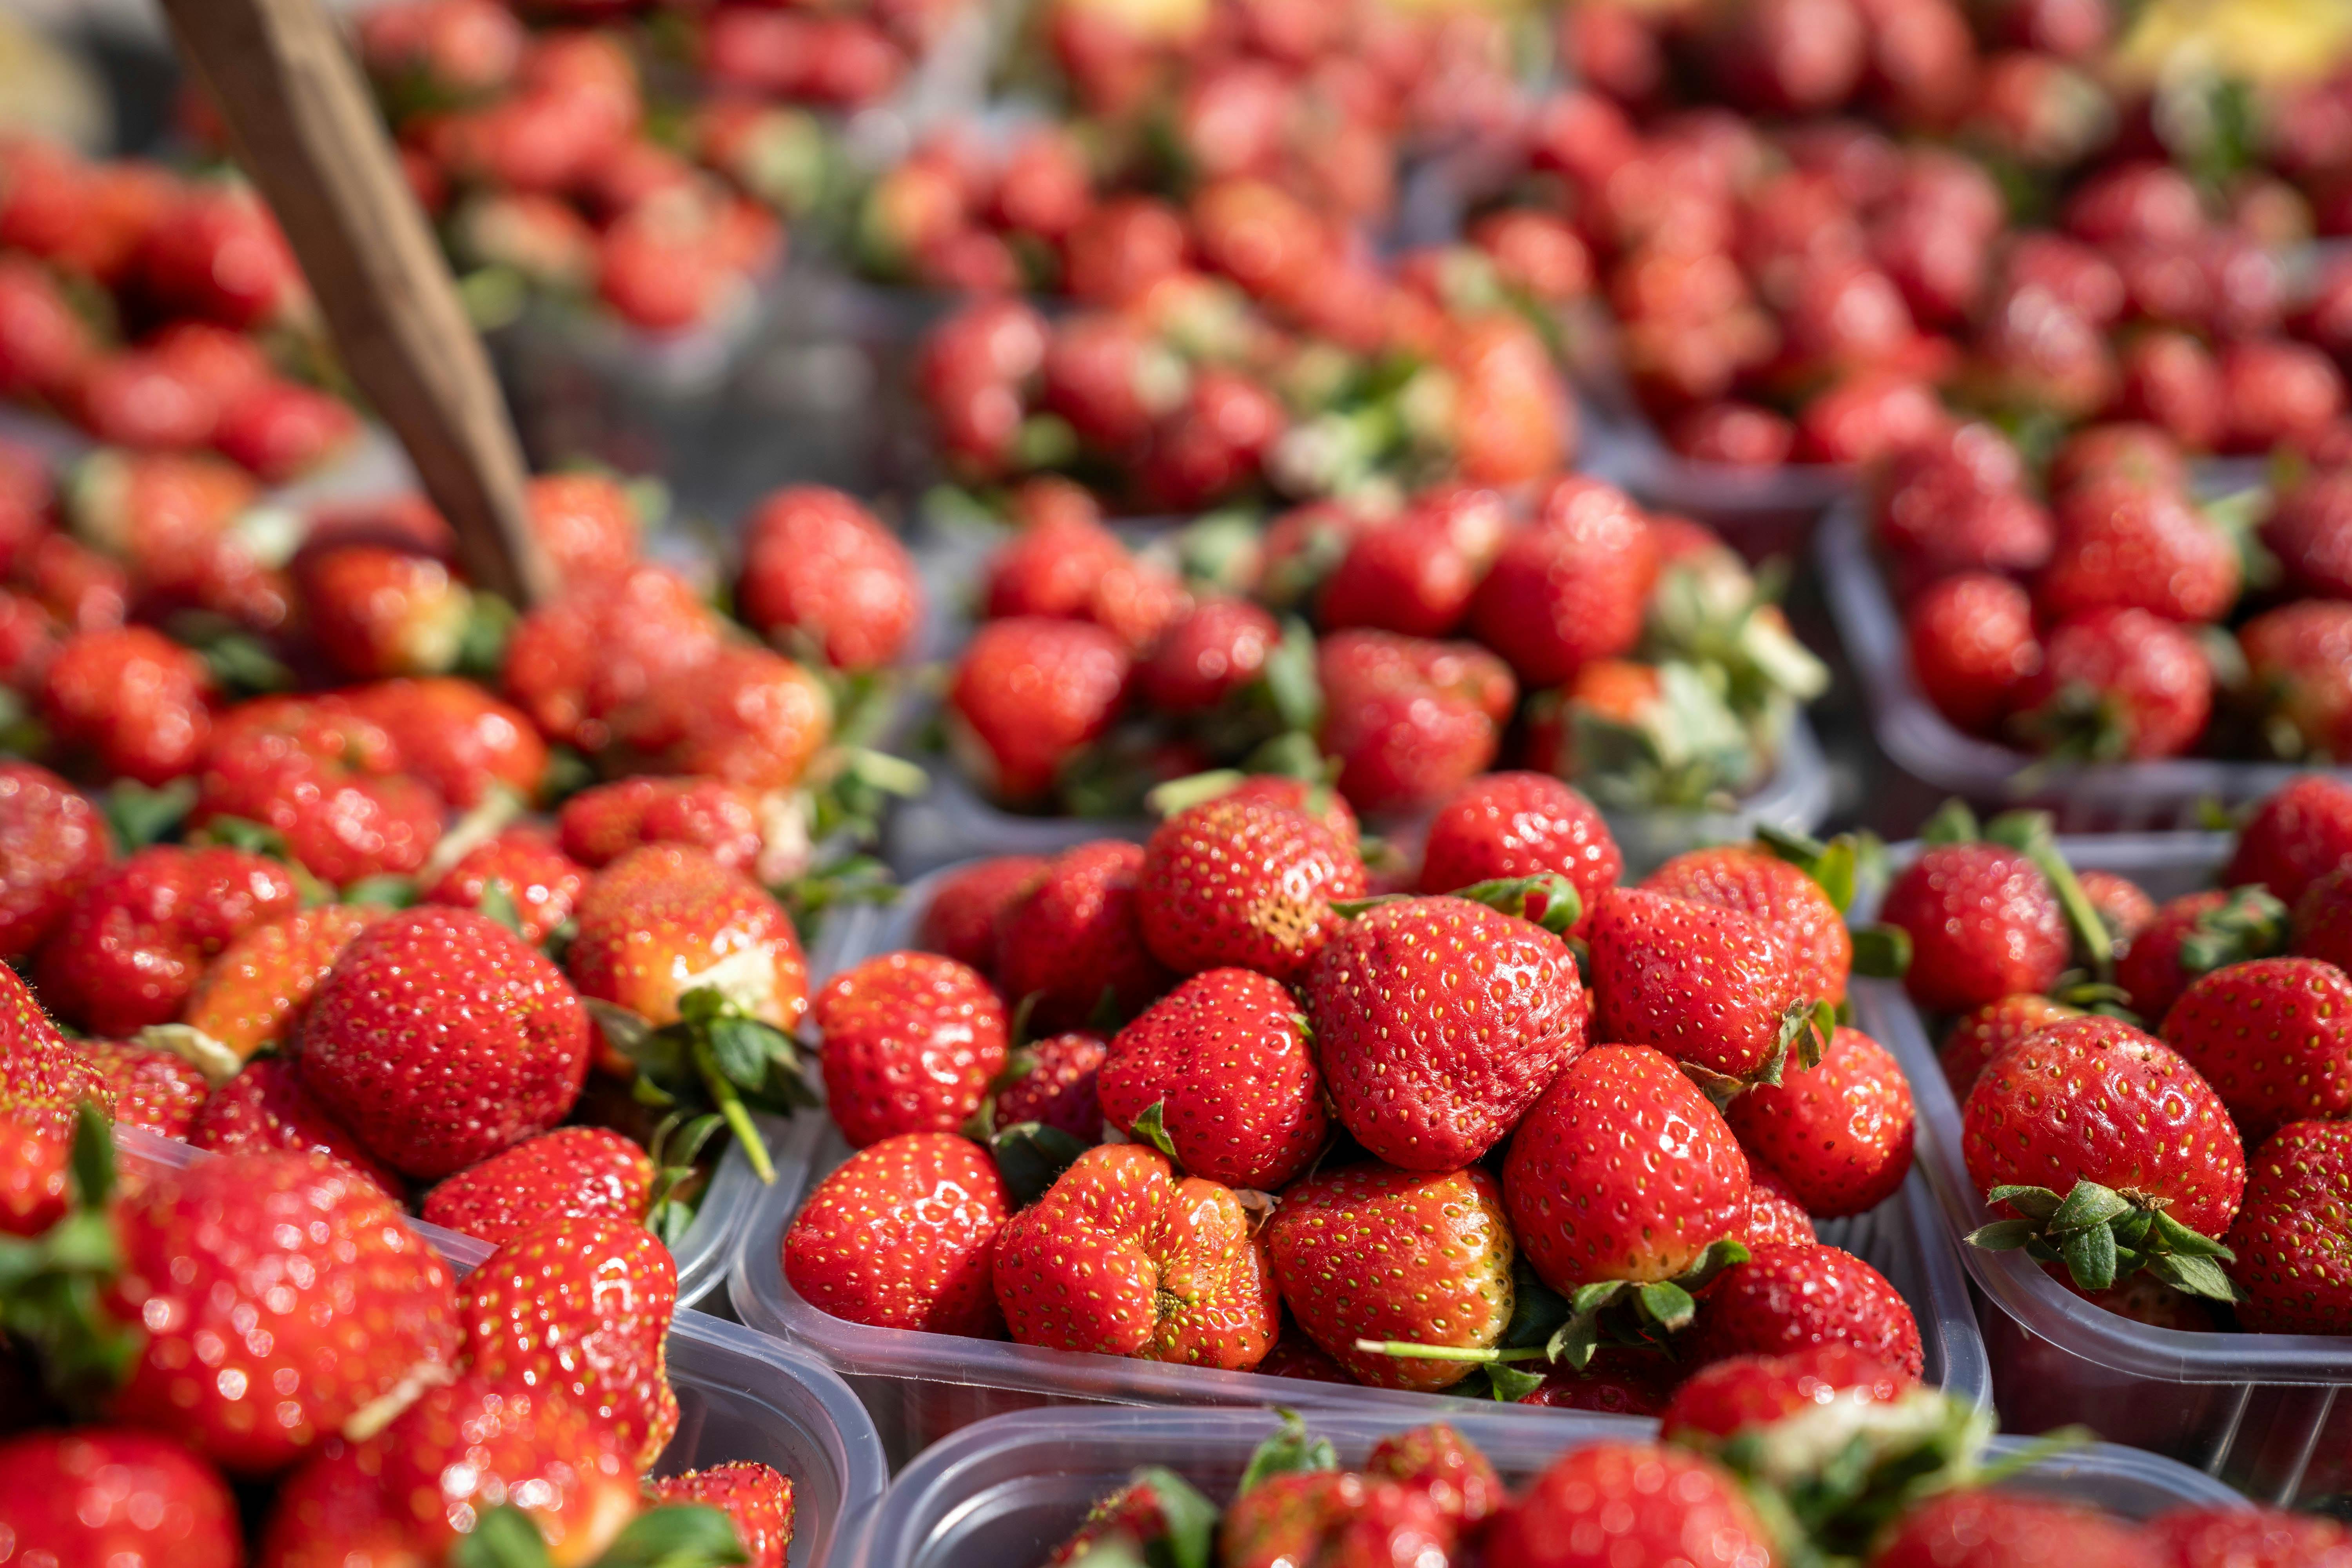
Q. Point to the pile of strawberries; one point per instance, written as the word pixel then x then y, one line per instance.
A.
pixel 2153 1102
pixel 1329 1157
pixel 160 314
pixel 1729 1482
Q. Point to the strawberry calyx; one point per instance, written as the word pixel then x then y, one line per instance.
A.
pixel 1547 898
pixel 2101 1236
pixel 2250 923
pixel 50 1283
pixel 716 1055
pixel 675 1148
pixel 1289 1450
pixel 674 1535
pixel 1686 746
pixel 139 815
pixel 1030 1156
pixel 1839 868
pixel 2033 834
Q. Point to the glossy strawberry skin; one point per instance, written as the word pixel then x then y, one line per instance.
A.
pixel 1983 923
pixel 1427 1072
pixel 747 715
pixel 34 1183
pixel 52 842
pixel 135 702
pixel 1980 1035
pixel 1030 693
pixel 1726 1397
pixel 818 566
pixel 1708 986
pixel 757 1499
pixel 2146 673
pixel 1972 645
pixel 2137 548
pixel 902 1236
pixel 1204 657
pixel 1076 934
pixel 2299 833
pixel 130 946
pixel 1790 905
pixel 457 738
pixel 440 1039
pixel 1520 825
pixel 1773 1212
pixel 604 822
pixel 1787 1299
pixel 665 918
pixel 911 1043
pixel 264 1107
pixel 1568 589
pixel 1059 1085
pixel 961 919
pixel 1226 1060
pixel 1839 1133
pixel 2193 1537
pixel 1980 1528
pixel 1245 883
pixel 150 1088
pixel 104 1495
pixel 1411 720
pixel 251 996
pixel 2273 1037
pixel 1631 1502
pixel 576 1172
pixel 328 781
pixel 543 884
pixel 572 663
pixel 586 523
pixel 2290 1235
pixel 1374 1253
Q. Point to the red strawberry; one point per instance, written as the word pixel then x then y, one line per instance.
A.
pixel 2297 657
pixel 664 920
pixel 1630 1502
pixel 1425 1072
pixel 1439 1462
pixel 216 254
pixel 902 1236
pixel 150 1088
pixel 33 1186
pixel 539 881
pixel 1222 1069
pixel 1053 1081
pixel 132 945
pixel 131 700
pixel 1239 881
pixel 441 1039
pixel 44 344
pixel 818 567
pixel 574 1173
pixel 2122 905
pixel 2289 1235
pixel 580 1308
pixel 747 716
pixel 604 822
pixel 2301 832
pixel 1983 1034
pixel 88 593
pixel 586 523
pixel 2192 1537
pixel 1051 569
pixel 117 1497
pixel 756 1499
pixel 1214 649
pixel 2310 532
pixel 1123 1257
pixel 1744 1392
pixel 52 842
pixel 250 998
pixel 28 640
pixel 1413 575
pixel 571 664
pixel 1800 915
pixel 1972 1528
pixel 2171 380
pixel 1839 1133
pixel 1075 936
pixel 2323 921
pixel 911 1044
pixel 1787 1299
pixel 1507 824
pixel 1371 1253
pixel 458 738
pixel 1972 646
pixel 1774 1214
pixel 1984 924
pixel 284 429
pixel 2275 391
pixel 1708 985
pixel 264 1107
pixel 1117 251
pixel 1027 695
pixel 2273 1037
pixel 2133 547
pixel 378 608
pixel 1570 588
pixel 961 919
pixel 2191 934
pixel 325 779
pixel 1410 720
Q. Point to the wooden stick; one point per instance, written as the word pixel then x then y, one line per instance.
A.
pixel 308 133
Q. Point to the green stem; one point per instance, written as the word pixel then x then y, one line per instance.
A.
pixel 738 1119
pixel 1406 1348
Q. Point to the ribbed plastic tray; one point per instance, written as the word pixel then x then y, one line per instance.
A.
pixel 2270 1413
pixel 1009 1490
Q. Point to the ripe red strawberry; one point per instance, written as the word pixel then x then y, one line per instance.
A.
pixel 1631 1502
pixel 44 344
pixel 1984 924
pixel 28 640
pixel 604 822
pixel 2117 684
pixel 1787 1299
pixel 2323 921
pixel 1413 575
pixel 329 783
pixel 1122 1256
pixel 747 715
pixel 1795 910
pixel 1054 1081
pixel 1728 1397
pixel 1212 651
pixel 2192 1537
pixel 756 1499
pixel 2275 391
pixel 1425 1072
pixel 1774 1214
pixel 265 1108
pixel 818 567
pixel 250 998
pixel 1708 985
pixel 284 429
pixel 130 700
pixel 911 1043
pixel 118 1497
pixel 1974 1528
pixel 1372 1253
pixel 1983 1034
pixel 2299 833
pixel 2310 532
pixel 53 840
pixel 2299 658
pixel 539 881
pixel 1076 936
pixel 1239 881
pixel 381 607
pixel 663 920
pixel 576 1172
pixel 2191 934
pixel 2138 547
pixel 34 1185
pixel 217 255
pixel 581 1308
pixel 586 523
pixel 1972 646
pixel 572 663
pixel 902 1236
pixel 150 1088
pixel 1027 695
pixel 1839 1133
pixel 458 738
pixel 441 1039
pixel 2290 1232
pixel 1221 1067
pixel 961 919
pixel 132 945
pixel 1439 1462
pixel 1410 720
pixel 1571 588
pixel 1509 824
pixel 2273 1037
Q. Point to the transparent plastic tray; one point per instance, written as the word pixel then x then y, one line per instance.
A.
pixel 1010 1490
pixel 741 1395
pixel 1762 513
pixel 2103 799
pixel 2270 1413
pixel 920 1387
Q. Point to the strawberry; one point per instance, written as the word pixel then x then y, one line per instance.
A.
pixel 664 920
pixel 1439 1462
pixel 1509 825
pixel 586 522
pixel 1028 694
pixel 1794 908
pixel 457 738
pixel 902 1236
pixel 2092 1103
pixel 1708 985
pixel 1075 937
pixel 572 663
pixel 132 945
pixel 538 882
pixel 326 781
pixel 1774 1214
pixel 2275 391
pixel 572 1172
pixel 1839 1132
pixel 53 840
pixel 1630 1502
pixel 1570 588
pixel 1054 1082
pixel 282 430
pixel 1122 1256
pixel 216 254
pixel 818 567
pixel 150 1088
pixel 2131 547
pixel 440 1039
pixel 1326 1516
pixel 380 607
pixel 604 822
pixel 2192 934
pixel 2289 1234
pixel 1972 645
pixel 755 1499
pixel 2299 832
pixel 2296 658
pixel 264 1107
pixel 115 1496
pixel 2271 1038
pixel 44 344
pixel 911 1044
pixel 130 700
pixel 34 1185
pixel 142 400
pixel 1726 1398
pixel 2310 532
pixel 2171 380
pixel 1216 648
pixel 28 640
pixel 2192 1537
pixel 2323 921
pixel 1984 924
pixel 1413 575
pixel 1424 1072
pixel 960 921
pixel 580 1307
pixel 1410 720
pixel 1971 1528
pixel 1218 1076
pixel 747 715
pixel 1238 881
pixel 250 998
pixel 1297 1356
pixel 1977 1036
pixel 1790 1298
pixel 1374 1254
pixel 1052 569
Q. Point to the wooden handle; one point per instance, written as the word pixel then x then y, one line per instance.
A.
pixel 308 133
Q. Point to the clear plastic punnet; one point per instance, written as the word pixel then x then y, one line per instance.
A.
pixel 2101 799
pixel 919 1386
pixel 1008 1490
pixel 1760 511
pixel 2270 1413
